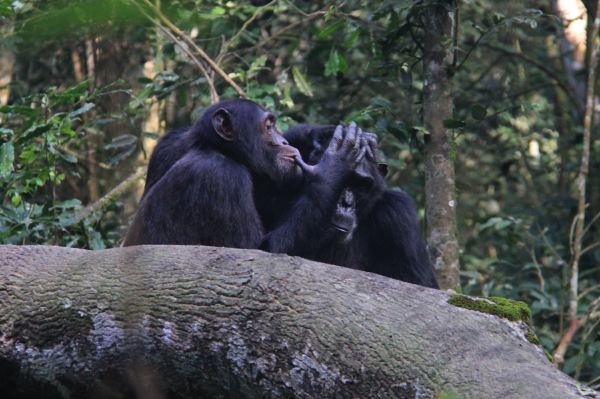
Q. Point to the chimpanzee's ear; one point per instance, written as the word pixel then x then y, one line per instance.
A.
pixel 383 169
pixel 222 123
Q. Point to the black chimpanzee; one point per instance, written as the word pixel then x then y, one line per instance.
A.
pixel 203 183
pixel 386 239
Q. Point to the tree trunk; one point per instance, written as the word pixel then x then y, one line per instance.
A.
pixel 183 321
pixel 7 62
pixel 440 201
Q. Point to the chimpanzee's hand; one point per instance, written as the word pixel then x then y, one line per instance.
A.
pixel 345 151
pixel 370 142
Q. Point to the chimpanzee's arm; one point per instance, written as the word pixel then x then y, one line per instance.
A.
pixel 396 247
pixel 302 228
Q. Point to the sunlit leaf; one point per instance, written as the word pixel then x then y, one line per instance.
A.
pixel 326 32
pixel 70 158
pixel 84 108
pixel 336 63
pixel 302 82
pixel 352 39
pixel 123 141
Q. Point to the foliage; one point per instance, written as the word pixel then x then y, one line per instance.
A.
pixel 39 151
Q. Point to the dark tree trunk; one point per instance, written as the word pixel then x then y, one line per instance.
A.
pixel 182 321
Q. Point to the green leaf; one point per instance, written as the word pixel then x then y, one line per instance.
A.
pixel 453 124
pixel 257 65
pixel 218 11
pixel 336 63
pixel 122 141
pixel 478 112
pixel 96 242
pixel 70 158
pixel 7 157
pixel 18 109
pixel 84 108
pixel 349 42
pixel 329 14
pixel 78 89
pixel 301 82
pixel 326 32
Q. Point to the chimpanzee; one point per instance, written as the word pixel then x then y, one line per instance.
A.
pixel 203 184
pixel 386 239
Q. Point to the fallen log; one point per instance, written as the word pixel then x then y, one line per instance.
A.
pixel 182 321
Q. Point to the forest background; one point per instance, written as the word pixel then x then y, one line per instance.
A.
pixel 503 135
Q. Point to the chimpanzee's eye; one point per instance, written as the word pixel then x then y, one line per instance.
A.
pixel 270 122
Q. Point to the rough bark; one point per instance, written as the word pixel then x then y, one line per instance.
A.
pixel 440 199
pixel 182 321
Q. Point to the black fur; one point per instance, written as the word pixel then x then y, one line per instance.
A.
pixel 387 239
pixel 204 183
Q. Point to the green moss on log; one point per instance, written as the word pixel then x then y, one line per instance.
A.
pixel 501 307
pixel 532 337
pixel 448 395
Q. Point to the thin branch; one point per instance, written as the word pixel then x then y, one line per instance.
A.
pixel 455 35
pixel 590 247
pixel 484 73
pixel 214 96
pixel 538 270
pixel 83 158
pixel 588 290
pixel 561 349
pixel 110 197
pixel 594 220
pixel 166 21
pixel 258 11
pixel 291 26
pixel 541 67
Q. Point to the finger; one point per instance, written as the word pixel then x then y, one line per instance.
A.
pixel 306 168
pixel 359 139
pixel 361 154
pixel 338 137
pixel 373 147
pixel 367 145
pixel 351 135
pixel 371 136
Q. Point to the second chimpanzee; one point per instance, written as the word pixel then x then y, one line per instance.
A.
pixel 386 239
pixel 202 185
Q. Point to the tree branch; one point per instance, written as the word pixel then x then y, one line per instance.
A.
pixel 110 197
pixel 167 22
pixel 541 67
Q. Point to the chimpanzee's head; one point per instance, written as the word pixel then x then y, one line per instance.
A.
pixel 246 132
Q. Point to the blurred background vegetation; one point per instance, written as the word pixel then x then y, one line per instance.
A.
pixel 88 86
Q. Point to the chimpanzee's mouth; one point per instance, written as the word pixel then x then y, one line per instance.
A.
pixel 340 228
